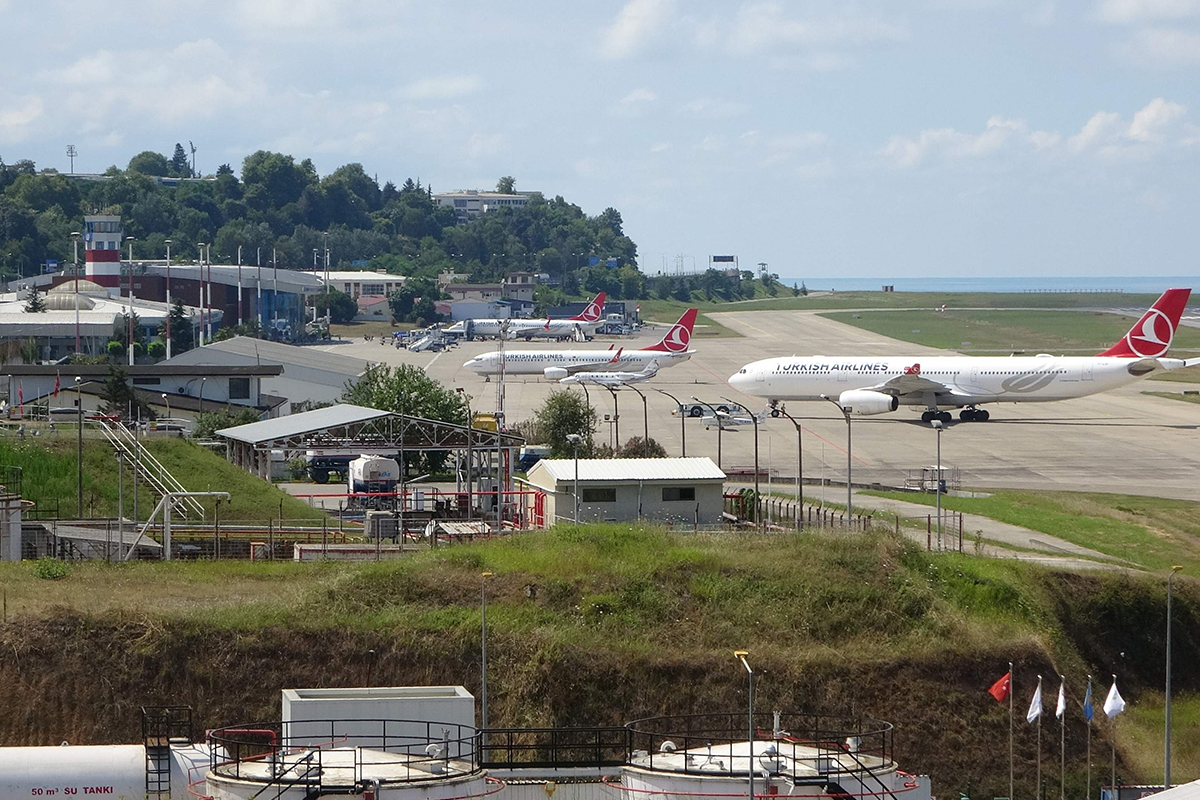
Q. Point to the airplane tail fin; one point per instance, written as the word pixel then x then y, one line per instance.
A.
pixel 594 310
pixel 1151 336
pixel 679 336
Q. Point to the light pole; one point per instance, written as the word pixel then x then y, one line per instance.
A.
pixel 740 655
pixel 937 480
pixel 1167 741
pixel 757 503
pixel 470 454
pixel 799 459
pixel 168 332
pixel 483 703
pixel 682 418
pixel 574 439
pixel 645 419
pixel 616 420
pixel 200 283
pixel 327 308
pixel 167 399
pixel 129 331
pixel 239 266
pixel 716 419
pixel 75 261
pixel 202 380
pixel 79 441
pixel 849 458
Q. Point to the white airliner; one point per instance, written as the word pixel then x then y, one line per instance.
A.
pixel 605 377
pixel 877 385
pixel 545 328
pixel 558 364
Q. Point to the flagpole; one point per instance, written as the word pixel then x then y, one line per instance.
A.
pixel 1113 793
pixel 1010 731
pixel 1062 748
pixel 1037 790
pixel 1088 717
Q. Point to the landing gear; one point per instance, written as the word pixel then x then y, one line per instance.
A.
pixel 974 415
pixel 940 416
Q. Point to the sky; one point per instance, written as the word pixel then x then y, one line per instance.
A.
pixel 857 138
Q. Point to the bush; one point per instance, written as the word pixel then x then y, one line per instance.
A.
pixel 157 349
pixel 50 569
pixel 115 349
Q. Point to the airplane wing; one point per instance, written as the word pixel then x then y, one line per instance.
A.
pixel 604 364
pixel 914 383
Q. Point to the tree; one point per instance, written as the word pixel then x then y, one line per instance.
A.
pixel 149 162
pixel 119 397
pixel 224 169
pixel 180 167
pixel 342 307
pixel 404 300
pixel 210 422
pixel 565 413
pixel 181 328
pixel 506 185
pixel 637 447
pixel 35 304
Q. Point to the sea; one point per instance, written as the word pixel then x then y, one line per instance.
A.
pixel 1131 284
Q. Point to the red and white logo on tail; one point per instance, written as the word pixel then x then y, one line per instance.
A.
pixel 680 335
pixel 594 310
pixel 1151 336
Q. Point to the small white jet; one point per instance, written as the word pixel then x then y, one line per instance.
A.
pixel 557 364
pixel 728 421
pixel 606 378
pixel 879 384
pixel 578 327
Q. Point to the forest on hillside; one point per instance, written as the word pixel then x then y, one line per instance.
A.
pixel 281 205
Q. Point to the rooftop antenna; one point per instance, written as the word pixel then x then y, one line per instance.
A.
pixel 71 153
pixel 193 157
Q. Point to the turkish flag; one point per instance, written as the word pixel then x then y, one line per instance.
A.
pixel 1001 688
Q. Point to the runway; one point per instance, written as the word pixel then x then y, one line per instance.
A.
pixel 1121 441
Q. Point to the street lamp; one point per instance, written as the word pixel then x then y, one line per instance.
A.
pixel 483 703
pixel 168 332
pixel 740 655
pixel 1167 742
pixel 167 400
pixel 799 459
pixel 937 481
pixel 470 454
pixel 202 380
pixel 757 503
pixel 849 459
pixel 200 284
pixel 75 260
pixel 682 417
pixel 79 441
pixel 616 419
pixel 645 418
pixel 717 419
pixel 574 439
pixel 129 331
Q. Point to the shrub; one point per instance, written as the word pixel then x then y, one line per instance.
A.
pixel 115 349
pixel 50 569
pixel 157 349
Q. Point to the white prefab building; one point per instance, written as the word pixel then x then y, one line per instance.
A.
pixel 679 490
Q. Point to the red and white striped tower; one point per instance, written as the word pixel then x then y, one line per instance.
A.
pixel 102 239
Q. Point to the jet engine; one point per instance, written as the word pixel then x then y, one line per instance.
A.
pixel 554 373
pixel 865 402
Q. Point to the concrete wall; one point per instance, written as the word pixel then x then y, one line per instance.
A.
pixel 646 496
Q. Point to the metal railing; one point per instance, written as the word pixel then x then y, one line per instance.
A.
pixel 159 477
pixel 554 748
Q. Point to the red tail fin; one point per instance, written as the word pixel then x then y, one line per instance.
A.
pixel 593 312
pixel 680 335
pixel 1151 336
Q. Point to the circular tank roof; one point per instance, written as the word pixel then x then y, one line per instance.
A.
pixel 85 287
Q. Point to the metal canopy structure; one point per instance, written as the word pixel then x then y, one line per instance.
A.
pixel 348 426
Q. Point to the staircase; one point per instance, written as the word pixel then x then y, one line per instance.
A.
pixel 163 726
pixel 158 476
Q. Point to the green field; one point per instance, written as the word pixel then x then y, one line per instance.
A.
pixel 972 331
pixel 1152 532
pixel 1187 398
pixel 48 463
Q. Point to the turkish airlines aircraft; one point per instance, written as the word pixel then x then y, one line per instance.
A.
pixel 558 364
pixel 545 328
pixel 877 385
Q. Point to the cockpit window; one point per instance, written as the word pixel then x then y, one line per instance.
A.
pixel 742 371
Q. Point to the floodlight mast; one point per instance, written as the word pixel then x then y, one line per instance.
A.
pixel 740 655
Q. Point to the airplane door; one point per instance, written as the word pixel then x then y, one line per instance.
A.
pixel 1086 371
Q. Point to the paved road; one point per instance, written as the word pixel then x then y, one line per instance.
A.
pixel 1121 441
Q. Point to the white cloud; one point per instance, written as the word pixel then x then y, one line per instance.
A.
pixel 954 144
pixel 1099 127
pixel 714 108
pixel 480 145
pixel 660 147
pixel 1148 123
pixel 638 22
pixel 765 26
pixel 18 112
pixel 442 87
pixel 1162 47
pixel 638 97
pixel 1132 11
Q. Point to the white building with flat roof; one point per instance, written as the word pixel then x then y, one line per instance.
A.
pixel 362 282
pixel 472 202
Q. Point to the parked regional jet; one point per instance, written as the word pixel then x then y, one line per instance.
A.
pixel 558 364
pixel 606 377
pixel 879 384
pixel 580 326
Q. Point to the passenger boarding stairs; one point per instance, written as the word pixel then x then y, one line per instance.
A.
pixel 159 477
pixel 163 726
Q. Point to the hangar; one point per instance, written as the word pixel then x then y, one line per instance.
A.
pixel 680 490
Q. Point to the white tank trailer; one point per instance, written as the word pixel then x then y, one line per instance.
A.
pixel 373 474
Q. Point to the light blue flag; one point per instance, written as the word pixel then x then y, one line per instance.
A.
pixel 1088 711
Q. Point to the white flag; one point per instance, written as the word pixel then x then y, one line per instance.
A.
pixel 1035 705
pixel 1062 698
pixel 1114 704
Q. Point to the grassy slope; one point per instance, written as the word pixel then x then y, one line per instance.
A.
pixel 1080 333
pixel 845 300
pixel 1152 532
pixel 49 477
pixel 1187 398
pixel 623 622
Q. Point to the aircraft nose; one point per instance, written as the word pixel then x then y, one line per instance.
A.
pixel 739 379
pixel 474 364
